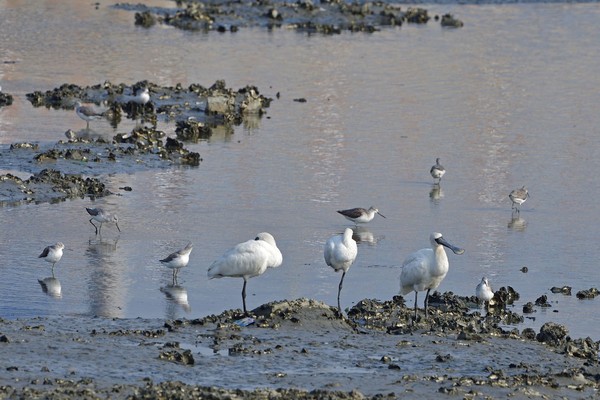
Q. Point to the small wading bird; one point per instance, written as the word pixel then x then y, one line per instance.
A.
pixel 518 197
pixel 484 291
pixel 99 215
pixel 178 260
pixel 87 113
pixel 340 252
pixel 247 260
pixel 142 96
pixel 425 269
pixel 360 215
pixel 53 254
pixel 437 171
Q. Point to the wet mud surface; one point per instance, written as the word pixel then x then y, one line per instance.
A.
pixel 77 163
pixel 323 17
pixel 298 349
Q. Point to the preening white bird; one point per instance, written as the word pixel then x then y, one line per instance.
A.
pixel 484 291
pixel 518 197
pixel 340 252
pixel 437 171
pixel 425 269
pixel 360 215
pixel 53 254
pixel 247 260
pixel 178 260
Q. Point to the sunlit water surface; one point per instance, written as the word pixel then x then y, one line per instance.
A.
pixel 511 99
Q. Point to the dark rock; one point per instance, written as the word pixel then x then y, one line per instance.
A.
pixel 566 290
pixel 542 301
pixel 552 334
pixel 528 308
pixel 145 19
pixel 587 294
pixel 449 21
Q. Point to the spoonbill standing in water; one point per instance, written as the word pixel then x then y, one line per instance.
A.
pixel 53 254
pixel 484 291
pixel 247 260
pixel 178 260
pixel 340 252
pixel 518 197
pixel 426 269
pixel 437 171
pixel 99 215
pixel 360 215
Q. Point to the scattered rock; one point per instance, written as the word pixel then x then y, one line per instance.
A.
pixel 552 334
pixel 587 294
pixel 566 290
pixel 449 21
pixel 5 99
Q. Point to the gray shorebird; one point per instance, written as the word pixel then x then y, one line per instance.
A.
pixel 53 254
pixel 178 260
pixel 360 215
pixel 518 197
pixel 99 215
pixel 484 291
pixel 87 113
pixel 437 171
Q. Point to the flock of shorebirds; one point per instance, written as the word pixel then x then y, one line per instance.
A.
pixel 89 112
pixel 422 270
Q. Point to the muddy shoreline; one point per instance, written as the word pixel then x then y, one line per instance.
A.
pixel 297 349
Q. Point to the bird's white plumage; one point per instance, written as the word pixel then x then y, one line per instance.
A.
pixel 437 170
pixel 178 259
pixel 360 215
pixel 247 260
pixel 53 254
pixel 518 197
pixel 425 269
pixel 340 251
pixel 484 291
pixel 102 216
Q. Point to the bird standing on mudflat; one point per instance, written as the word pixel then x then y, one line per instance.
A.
pixel 99 215
pixel 87 113
pixel 518 197
pixel 425 269
pixel 484 291
pixel 53 254
pixel 178 260
pixel 437 171
pixel 340 252
pixel 360 215
pixel 247 260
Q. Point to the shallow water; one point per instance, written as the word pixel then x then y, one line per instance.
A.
pixel 508 100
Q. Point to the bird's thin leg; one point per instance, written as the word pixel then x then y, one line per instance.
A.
pixel 100 229
pixel 94 225
pixel 415 307
pixel 427 303
pixel 244 298
pixel 339 291
pixel 53 270
pixel 174 278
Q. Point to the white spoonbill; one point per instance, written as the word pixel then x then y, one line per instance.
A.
pixel 178 260
pixel 437 171
pixel 99 215
pixel 426 268
pixel 340 252
pixel 484 291
pixel 53 254
pixel 360 215
pixel 247 260
pixel 518 197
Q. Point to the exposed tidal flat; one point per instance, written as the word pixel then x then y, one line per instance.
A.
pixel 357 113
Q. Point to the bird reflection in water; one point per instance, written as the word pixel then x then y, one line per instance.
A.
pixel 177 296
pixel 363 235
pixel 517 223
pixel 436 193
pixel 107 286
pixel 51 286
